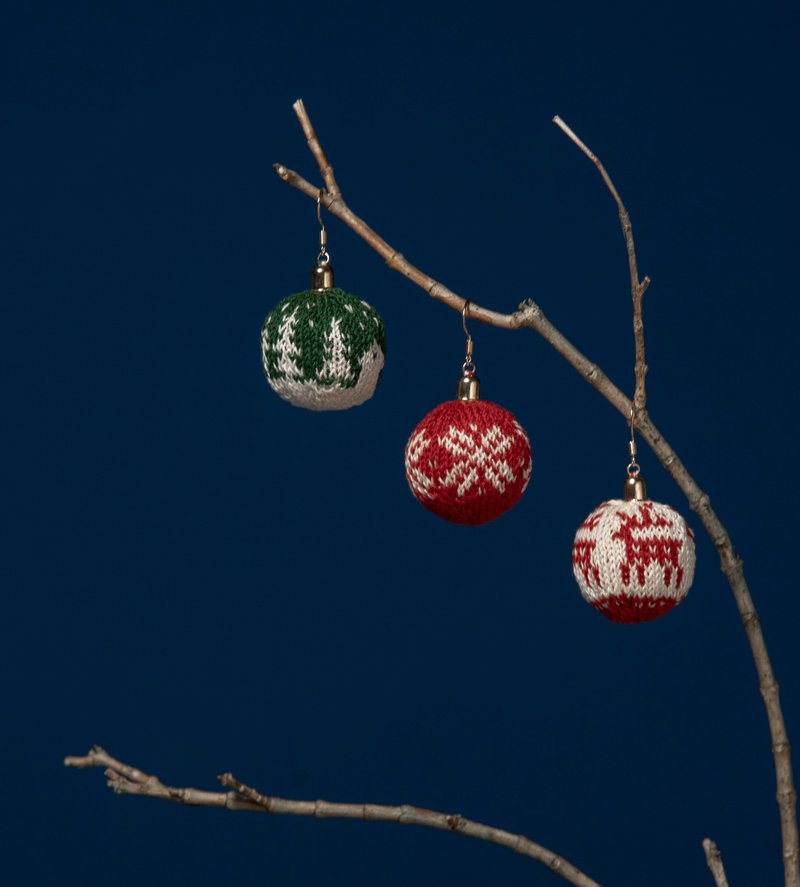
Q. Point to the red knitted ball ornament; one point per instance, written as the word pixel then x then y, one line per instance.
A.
pixel 468 461
pixel 634 561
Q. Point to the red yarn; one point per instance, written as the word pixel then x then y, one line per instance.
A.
pixel 468 461
pixel 633 609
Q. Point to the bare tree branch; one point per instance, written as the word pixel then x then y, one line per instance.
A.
pixel 397 262
pixel 714 860
pixel 131 781
pixel 127 780
pixel 531 315
pixel 637 286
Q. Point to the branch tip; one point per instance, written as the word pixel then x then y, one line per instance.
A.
pixel 714 860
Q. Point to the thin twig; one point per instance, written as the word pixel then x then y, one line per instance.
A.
pixel 637 286
pixel 531 315
pixel 316 149
pixel 714 860
pixel 124 779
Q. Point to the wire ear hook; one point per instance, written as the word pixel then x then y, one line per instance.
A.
pixel 323 258
pixel 469 386
pixel 469 366
pixel 635 486
pixel 633 465
pixel 322 273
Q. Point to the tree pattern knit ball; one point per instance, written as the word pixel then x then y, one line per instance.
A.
pixel 468 461
pixel 634 561
pixel 323 349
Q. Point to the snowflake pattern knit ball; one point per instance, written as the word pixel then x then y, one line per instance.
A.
pixel 634 561
pixel 323 349
pixel 468 461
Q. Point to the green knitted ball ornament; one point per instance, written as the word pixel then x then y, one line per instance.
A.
pixel 323 349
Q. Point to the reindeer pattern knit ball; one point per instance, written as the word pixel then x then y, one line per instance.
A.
pixel 323 349
pixel 633 561
pixel 468 461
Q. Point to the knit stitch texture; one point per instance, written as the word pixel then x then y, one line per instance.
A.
pixel 323 350
pixel 633 561
pixel 468 461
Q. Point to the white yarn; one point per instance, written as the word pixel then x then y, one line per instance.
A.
pixel 322 397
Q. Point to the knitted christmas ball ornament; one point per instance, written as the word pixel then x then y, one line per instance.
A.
pixel 633 560
pixel 468 461
pixel 323 349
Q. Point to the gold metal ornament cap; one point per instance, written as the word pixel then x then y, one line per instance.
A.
pixel 322 276
pixel 468 387
pixel 635 489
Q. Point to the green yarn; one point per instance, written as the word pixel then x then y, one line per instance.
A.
pixel 302 324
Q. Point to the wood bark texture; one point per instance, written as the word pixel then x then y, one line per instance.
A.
pixel 126 780
pixel 714 860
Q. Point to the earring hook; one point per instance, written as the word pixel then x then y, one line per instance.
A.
pixel 633 465
pixel 635 488
pixel 322 273
pixel 469 386
pixel 323 258
pixel 469 366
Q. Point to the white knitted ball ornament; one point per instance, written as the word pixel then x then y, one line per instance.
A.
pixel 633 561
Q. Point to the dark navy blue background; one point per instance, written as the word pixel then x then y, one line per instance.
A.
pixel 202 578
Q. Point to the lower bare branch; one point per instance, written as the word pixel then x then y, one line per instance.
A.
pixel 714 860
pixel 126 780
